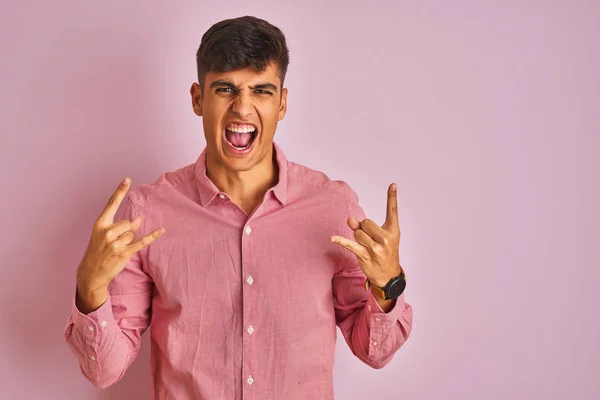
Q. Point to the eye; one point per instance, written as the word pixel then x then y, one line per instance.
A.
pixel 261 91
pixel 224 90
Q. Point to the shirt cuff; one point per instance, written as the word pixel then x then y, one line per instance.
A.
pixel 382 325
pixel 377 313
pixel 93 324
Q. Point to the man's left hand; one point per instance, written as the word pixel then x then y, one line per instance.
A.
pixel 377 248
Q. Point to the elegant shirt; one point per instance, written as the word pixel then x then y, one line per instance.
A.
pixel 240 306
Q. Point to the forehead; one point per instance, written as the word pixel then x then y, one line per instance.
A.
pixel 246 76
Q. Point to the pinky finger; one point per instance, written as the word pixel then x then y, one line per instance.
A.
pixel 143 242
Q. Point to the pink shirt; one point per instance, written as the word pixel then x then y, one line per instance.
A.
pixel 240 307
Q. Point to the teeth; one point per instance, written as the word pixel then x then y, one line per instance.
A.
pixel 241 128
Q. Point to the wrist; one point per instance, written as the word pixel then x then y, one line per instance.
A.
pixel 88 300
pixel 383 281
pixel 391 289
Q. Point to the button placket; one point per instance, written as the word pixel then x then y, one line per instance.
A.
pixel 249 281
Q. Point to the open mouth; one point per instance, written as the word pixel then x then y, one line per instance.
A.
pixel 240 136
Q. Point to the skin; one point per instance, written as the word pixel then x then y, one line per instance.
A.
pixel 240 96
pixel 377 249
pixel 248 97
pixel 111 246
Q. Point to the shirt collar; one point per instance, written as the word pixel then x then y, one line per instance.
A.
pixel 208 191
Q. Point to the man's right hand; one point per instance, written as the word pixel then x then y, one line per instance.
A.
pixel 111 246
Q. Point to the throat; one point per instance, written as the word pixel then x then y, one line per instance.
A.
pixel 248 206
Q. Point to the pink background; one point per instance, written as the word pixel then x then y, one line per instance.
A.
pixel 487 116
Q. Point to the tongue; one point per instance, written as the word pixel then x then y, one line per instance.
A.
pixel 239 139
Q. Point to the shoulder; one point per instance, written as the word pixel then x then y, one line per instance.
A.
pixel 316 181
pixel 167 182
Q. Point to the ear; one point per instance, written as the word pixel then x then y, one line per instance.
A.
pixel 196 93
pixel 283 103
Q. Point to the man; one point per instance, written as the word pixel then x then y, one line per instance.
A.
pixel 254 267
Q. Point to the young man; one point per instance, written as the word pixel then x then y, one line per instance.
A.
pixel 253 269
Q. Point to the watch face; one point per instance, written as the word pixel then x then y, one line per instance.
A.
pixel 396 288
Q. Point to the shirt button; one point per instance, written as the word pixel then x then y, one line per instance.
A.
pixel 222 196
pixel 250 380
pixel 377 319
pixel 103 324
pixel 251 329
pixel 374 343
pixel 93 358
pixel 369 307
pixel 250 280
pixel 248 230
pixel 91 328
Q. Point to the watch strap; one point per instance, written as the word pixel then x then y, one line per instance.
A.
pixel 377 291
pixel 380 292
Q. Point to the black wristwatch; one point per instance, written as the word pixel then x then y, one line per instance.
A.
pixel 394 288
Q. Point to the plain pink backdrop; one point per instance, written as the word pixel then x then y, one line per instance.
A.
pixel 487 116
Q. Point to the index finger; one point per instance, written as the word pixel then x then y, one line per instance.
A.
pixel 391 218
pixel 108 214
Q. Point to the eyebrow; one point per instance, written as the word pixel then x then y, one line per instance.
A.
pixel 267 85
pixel 224 83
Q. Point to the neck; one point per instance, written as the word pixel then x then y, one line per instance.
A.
pixel 246 188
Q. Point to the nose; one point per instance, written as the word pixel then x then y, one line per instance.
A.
pixel 242 106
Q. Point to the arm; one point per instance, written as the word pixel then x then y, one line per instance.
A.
pixel 104 331
pixel 372 334
pixel 107 340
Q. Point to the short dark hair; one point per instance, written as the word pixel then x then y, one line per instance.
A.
pixel 240 43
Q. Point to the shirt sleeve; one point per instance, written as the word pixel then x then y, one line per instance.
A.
pixel 372 335
pixel 107 340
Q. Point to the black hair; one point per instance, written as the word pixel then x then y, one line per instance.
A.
pixel 241 43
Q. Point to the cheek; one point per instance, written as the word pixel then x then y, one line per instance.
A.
pixel 269 114
pixel 213 112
